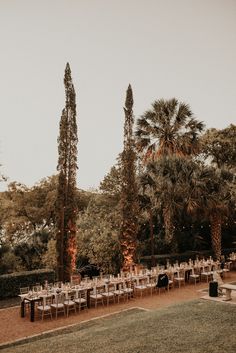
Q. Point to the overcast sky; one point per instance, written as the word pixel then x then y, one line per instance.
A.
pixel 163 48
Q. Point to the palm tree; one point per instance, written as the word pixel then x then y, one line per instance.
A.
pixel 167 180
pixel 219 147
pixel 217 201
pixel 210 194
pixel 166 129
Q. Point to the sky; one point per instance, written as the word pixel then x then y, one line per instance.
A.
pixel 163 48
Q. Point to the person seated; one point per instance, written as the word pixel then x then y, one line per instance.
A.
pixel 162 281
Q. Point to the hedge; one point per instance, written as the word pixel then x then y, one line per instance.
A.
pixel 161 259
pixel 10 284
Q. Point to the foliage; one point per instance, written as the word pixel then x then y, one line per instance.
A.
pixel 49 258
pixel 66 192
pixel 98 235
pixel 185 202
pixel 25 211
pixel 168 128
pixel 9 262
pixel 27 222
pixel 31 252
pixel 193 193
pixel 171 186
pixel 146 199
pixel 218 199
pixel 112 182
pixel 129 190
pixel 10 284
pixel 166 135
pixel 220 147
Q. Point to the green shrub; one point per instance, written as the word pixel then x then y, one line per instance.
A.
pixel 10 284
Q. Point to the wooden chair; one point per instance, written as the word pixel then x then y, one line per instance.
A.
pixel 96 295
pixel 109 293
pixel 81 299
pixel 194 276
pixel 37 288
pixel 128 289
pixel 45 308
pixel 170 280
pixel 58 305
pixel 24 291
pixel 119 292
pixel 69 303
pixel 141 286
pixel 179 277
pixel 151 284
pixel 206 274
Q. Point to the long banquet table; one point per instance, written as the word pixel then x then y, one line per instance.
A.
pixel 33 298
pixel 87 284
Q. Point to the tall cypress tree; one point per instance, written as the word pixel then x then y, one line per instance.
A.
pixel 129 192
pixel 67 166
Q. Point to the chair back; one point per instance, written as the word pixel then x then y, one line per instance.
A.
pixel 37 288
pixel 97 290
pixel 24 290
pixel 111 287
pixel 44 301
pixel 59 298
pixel 83 294
pixel 68 295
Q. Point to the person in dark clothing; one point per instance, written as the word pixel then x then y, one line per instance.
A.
pixel 162 281
pixel 222 262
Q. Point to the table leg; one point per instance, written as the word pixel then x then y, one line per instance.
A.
pixel 187 274
pixel 22 308
pixel 32 311
pixel 88 298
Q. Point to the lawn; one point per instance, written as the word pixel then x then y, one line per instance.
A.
pixel 193 327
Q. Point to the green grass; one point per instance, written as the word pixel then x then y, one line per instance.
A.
pixel 193 327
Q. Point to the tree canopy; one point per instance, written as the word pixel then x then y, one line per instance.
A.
pixel 67 168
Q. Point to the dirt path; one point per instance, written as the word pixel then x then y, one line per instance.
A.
pixel 13 327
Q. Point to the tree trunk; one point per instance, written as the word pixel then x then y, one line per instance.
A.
pixel 169 229
pixel 128 244
pixel 70 253
pixel 60 248
pixel 215 220
pixel 151 238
